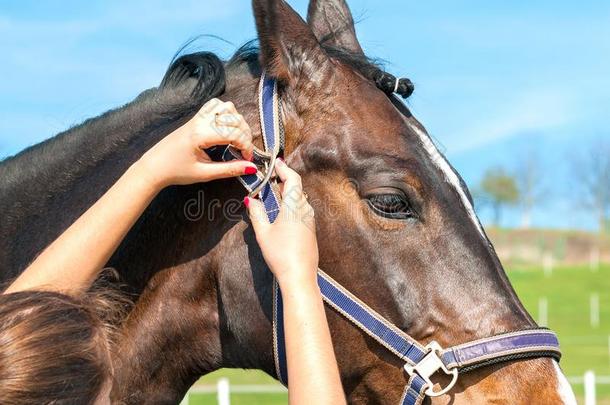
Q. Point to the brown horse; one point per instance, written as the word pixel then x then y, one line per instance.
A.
pixel 395 224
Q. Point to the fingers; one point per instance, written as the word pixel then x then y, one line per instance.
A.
pixel 294 210
pixel 292 181
pixel 214 108
pixel 217 106
pixel 231 119
pixel 237 138
pixel 294 204
pixel 223 170
pixel 229 127
pixel 258 216
pixel 238 131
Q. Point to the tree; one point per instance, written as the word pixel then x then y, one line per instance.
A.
pixel 499 189
pixel 591 171
pixel 528 176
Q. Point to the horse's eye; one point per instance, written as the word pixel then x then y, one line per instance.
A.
pixel 394 206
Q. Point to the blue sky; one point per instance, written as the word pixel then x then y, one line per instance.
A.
pixel 494 80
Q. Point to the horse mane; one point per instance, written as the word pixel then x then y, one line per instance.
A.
pixel 371 68
pixel 205 68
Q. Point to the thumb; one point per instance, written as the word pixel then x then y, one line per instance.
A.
pixel 223 170
pixel 258 215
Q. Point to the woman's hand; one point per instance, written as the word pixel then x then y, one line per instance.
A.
pixel 179 158
pixel 289 245
pixel 290 249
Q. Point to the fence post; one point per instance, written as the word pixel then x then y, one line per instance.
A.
pixel 547 264
pixel 590 388
pixel 543 311
pixel 224 391
pixel 594 310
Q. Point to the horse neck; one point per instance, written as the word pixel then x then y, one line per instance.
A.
pixel 218 286
pixel 44 188
pixel 200 310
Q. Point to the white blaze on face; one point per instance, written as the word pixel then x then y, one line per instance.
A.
pixel 450 176
pixel 563 387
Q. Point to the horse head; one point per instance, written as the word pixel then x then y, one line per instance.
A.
pixel 395 224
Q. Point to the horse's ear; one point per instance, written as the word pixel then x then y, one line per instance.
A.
pixel 333 24
pixel 289 48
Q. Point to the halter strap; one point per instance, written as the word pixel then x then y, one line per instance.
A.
pixel 421 362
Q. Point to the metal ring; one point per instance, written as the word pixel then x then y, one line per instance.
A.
pixel 454 376
pixel 431 363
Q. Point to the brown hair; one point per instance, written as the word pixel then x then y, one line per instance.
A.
pixel 54 348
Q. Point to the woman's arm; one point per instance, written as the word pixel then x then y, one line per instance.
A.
pixel 312 367
pixel 73 261
pixel 290 249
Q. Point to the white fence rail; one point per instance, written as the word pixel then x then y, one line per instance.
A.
pixel 223 389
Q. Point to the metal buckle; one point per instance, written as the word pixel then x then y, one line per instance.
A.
pixel 259 187
pixel 429 365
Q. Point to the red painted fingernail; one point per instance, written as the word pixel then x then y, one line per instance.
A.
pixel 250 170
pixel 247 201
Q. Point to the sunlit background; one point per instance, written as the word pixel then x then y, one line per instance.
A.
pixel 516 94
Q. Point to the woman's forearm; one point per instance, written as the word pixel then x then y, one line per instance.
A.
pixel 312 368
pixel 73 261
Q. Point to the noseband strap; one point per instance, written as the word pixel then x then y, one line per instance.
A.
pixel 421 362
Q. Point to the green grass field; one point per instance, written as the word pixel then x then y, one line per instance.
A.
pixel 567 291
pixel 241 399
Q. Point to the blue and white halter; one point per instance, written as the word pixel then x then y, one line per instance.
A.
pixel 421 362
